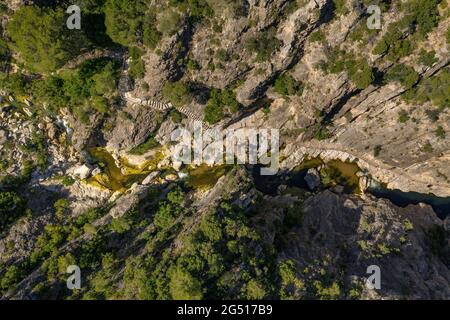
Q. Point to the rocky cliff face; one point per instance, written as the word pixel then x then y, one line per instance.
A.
pixel 309 68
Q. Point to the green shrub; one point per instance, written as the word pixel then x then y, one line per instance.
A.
pixel 99 104
pixel 286 85
pixel 13 84
pixel 124 20
pixel 433 115
pixel 340 7
pixel 169 211
pixel 327 293
pixel 151 35
pixel 381 47
pixel 399 49
pixel 377 150
pixel 440 132
pixel 361 74
pixel 428 58
pixel 11 208
pixel 317 36
pixel 42 39
pixel 11 277
pixel 62 207
pixel 435 89
pixel 178 93
pixel 193 65
pixel 428 148
pixel 92 84
pixel 221 102
pixel 406 75
pixel 227 7
pixel 169 22
pixel 150 143
pixel 290 287
pixel 358 70
pixel 322 134
pixel 176 116
pixel 222 55
pixel 264 44
pixel 120 225
pixel 183 286
pixel 403 116
pixel 420 17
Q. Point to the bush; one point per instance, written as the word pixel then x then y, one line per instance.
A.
pixel 435 89
pixel 169 211
pixel 317 36
pixel 291 286
pixel 286 85
pixel 428 58
pixel 399 49
pixel 61 208
pixel 433 115
pixel 124 20
pixel 358 70
pixel 14 84
pixel 420 17
pixel 377 150
pixel 92 84
pixel 227 7
pixel 220 103
pixel 143 148
pixel 264 44
pixel 424 14
pixel 222 55
pixel 120 225
pixel 151 36
pixel 406 75
pixel 183 286
pixel 11 277
pixel 178 93
pixel 11 208
pixel 381 47
pixel 361 74
pixel 403 116
pixel 193 65
pixel 176 116
pixel 440 132
pixel 340 7
pixel 428 148
pixel 322 134
pixel 41 37
pixel 169 22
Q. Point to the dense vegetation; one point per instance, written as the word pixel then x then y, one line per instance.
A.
pixel 264 44
pixel 221 103
pixel 89 88
pixel 358 70
pixel 286 85
pixel 421 16
pixel 42 39
pixel 11 207
pixel 435 89
pixel 170 251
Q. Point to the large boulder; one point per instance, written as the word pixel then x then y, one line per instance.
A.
pixel 83 171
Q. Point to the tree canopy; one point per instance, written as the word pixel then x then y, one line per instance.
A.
pixel 42 39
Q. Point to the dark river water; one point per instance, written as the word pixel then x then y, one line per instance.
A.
pixel 347 171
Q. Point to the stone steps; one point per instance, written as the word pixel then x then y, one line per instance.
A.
pixel 163 106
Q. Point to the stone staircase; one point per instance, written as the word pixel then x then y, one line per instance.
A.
pixel 163 106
